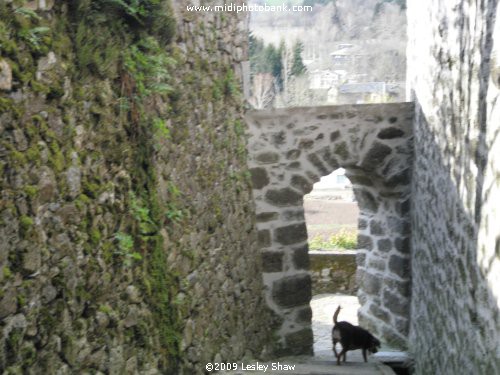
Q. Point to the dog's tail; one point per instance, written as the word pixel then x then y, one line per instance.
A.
pixel 336 315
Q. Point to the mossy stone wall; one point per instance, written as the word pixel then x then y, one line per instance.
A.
pixel 127 224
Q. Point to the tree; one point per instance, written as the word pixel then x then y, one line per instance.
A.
pixel 262 90
pixel 298 67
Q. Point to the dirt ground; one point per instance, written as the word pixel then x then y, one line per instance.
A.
pixel 325 217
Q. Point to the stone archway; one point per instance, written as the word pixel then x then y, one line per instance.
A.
pixel 290 150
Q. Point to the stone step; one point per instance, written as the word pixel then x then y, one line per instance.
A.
pixel 310 366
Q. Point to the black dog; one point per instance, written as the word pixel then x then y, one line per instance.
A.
pixel 351 338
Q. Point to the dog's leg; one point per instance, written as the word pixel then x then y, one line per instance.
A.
pixel 364 355
pixel 342 353
pixel 334 349
pixel 345 355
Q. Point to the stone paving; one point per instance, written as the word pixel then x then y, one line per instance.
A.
pixel 323 362
pixel 303 365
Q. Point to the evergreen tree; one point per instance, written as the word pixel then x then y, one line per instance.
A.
pixel 298 67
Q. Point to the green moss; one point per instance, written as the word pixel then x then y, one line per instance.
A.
pixel 95 236
pixel 33 155
pixel 7 273
pixel 107 252
pixel 21 300
pixel 6 104
pixel 26 222
pixel 31 190
pixel 18 157
pixel 91 189
pixel 39 87
pixel 56 158
pixel 105 309
pixel 28 355
pixel 14 339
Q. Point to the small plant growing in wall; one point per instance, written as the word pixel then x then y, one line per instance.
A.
pixel 125 249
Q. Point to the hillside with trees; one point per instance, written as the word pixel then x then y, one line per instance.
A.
pixel 367 37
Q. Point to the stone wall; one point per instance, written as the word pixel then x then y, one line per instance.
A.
pixel 128 242
pixel 333 272
pixel 290 149
pixel 454 70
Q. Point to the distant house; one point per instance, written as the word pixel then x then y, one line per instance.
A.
pixel 325 79
pixel 348 56
pixel 366 92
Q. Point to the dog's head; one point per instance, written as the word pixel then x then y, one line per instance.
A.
pixel 375 344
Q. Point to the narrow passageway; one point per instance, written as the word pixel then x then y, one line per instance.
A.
pixel 332 217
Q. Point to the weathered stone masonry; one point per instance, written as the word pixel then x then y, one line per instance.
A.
pixel 454 75
pixel 125 247
pixel 290 149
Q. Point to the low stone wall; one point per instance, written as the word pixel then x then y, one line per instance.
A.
pixel 333 272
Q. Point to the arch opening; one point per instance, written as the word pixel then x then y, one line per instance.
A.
pixel 331 215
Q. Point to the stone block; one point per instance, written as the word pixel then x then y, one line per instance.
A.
pixel 293 154
pixel 362 224
pixel 366 200
pixel 361 180
pixel 390 133
pixel 384 245
pixel 8 303
pixel 400 266
pixel 401 178
pixel 306 144
pixel 267 158
pixel 380 313
pixel 376 228
pixel 341 150
pixel 402 244
pixel 292 291
pixel 5 76
pixel 401 287
pixel 32 259
pixel 260 178
pixel 376 156
pixel 300 342
pixel 364 242
pixel 376 264
pixel 283 197
pixel 294 215
pixel 393 338
pixel 334 136
pixel 360 258
pixel 316 161
pixel 293 165
pixel 291 234
pixel 301 258
pixel 371 283
pixel 301 183
pixel 264 238
pixel 264 217
pixel 272 261
pixel 402 208
pixel 304 315
pixel 278 138
pixel 396 304
pixel 328 157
